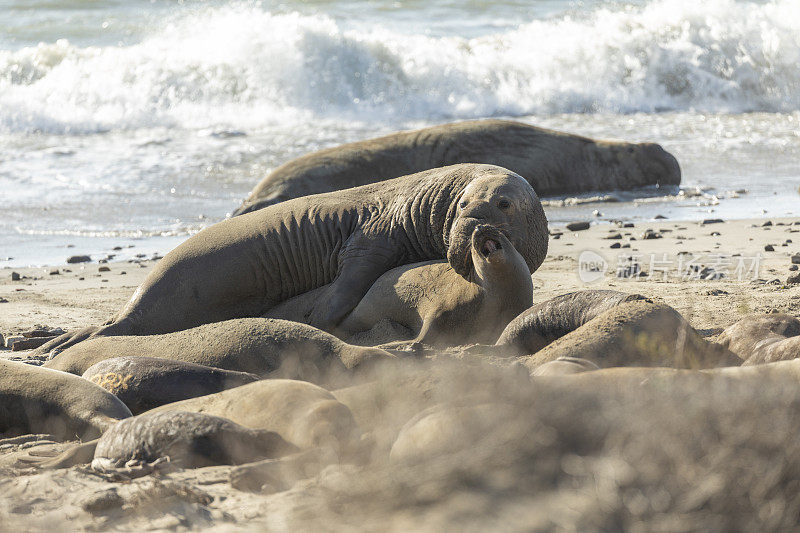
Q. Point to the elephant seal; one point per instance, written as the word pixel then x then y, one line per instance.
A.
pixel 40 400
pixel 553 162
pixel 261 346
pixel 761 339
pixel 246 265
pixel 543 323
pixel 637 333
pixel 143 383
pixel 305 415
pixel 187 440
pixel 437 305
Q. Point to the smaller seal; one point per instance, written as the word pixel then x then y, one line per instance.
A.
pixel 40 400
pixel 260 346
pixel 306 415
pixel 761 339
pixel 143 383
pixel 433 302
pixel 543 323
pixel 637 333
pixel 186 440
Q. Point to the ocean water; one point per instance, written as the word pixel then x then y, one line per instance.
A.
pixel 133 122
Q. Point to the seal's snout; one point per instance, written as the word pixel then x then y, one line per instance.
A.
pixel 487 240
pixel 489 247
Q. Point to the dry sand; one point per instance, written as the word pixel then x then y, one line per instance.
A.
pixel 81 295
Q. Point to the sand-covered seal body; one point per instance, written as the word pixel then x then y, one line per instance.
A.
pixel 535 328
pixel 261 346
pixel 187 440
pixel 305 415
pixel 143 383
pixel 40 400
pixel 553 162
pixel 434 303
pixel 246 265
pixel 761 339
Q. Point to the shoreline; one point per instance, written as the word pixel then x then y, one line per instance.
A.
pixel 80 295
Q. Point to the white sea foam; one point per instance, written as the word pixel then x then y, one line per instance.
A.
pixel 241 67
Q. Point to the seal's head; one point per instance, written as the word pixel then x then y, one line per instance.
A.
pixel 640 163
pixel 499 267
pixel 506 201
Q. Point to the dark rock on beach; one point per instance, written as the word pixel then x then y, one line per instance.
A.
pixel 577 226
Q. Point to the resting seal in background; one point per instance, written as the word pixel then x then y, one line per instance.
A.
pixel 763 338
pixel 189 440
pixel 553 162
pixel 437 305
pixel 143 383
pixel 246 265
pixel 260 346
pixel 40 400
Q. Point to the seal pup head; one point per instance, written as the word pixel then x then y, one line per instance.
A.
pixel 506 201
pixel 500 269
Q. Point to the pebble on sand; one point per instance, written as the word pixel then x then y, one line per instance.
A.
pixel 577 226
pixel 104 269
pixel 769 248
pixel 15 276
pixel 712 221
pixel 78 259
pixel 793 280
pixel 796 259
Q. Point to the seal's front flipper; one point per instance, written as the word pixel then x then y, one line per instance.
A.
pixel 363 260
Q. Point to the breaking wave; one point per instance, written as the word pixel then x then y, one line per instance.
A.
pixel 243 67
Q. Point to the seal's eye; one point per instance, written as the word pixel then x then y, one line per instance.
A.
pixel 503 204
pixel 462 204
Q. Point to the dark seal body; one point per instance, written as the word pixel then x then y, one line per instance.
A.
pixel 545 322
pixel 143 383
pixel 553 162
pixel 189 440
pixel 246 265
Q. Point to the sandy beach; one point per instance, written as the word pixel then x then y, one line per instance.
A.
pixel 79 295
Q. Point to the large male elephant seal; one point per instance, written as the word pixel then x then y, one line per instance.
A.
pixel 761 339
pixel 187 440
pixel 246 265
pixel 553 162
pixel 143 383
pixel 40 400
pixel 435 304
pixel 261 346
